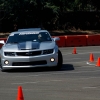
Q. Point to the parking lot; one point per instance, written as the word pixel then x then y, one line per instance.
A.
pixel 77 80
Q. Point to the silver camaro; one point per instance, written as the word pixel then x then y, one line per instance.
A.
pixel 28 48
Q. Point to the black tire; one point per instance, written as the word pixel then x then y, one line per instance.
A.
pixel 2 68
pixel 60 60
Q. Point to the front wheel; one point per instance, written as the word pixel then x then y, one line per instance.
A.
pixel 60 60
pixel 2 68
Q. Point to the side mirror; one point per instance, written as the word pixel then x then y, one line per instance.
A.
pixel 2 42
pixel 56 39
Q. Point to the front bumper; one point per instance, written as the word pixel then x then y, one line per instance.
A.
pixel 29 61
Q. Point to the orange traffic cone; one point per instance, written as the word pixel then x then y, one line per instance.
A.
pixel 91 57
pixel 74 51
pixel 20 94
pixel 98 62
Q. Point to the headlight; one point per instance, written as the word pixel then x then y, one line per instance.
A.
pixel 52 59
pixel 9 53
pixel 49 51
pixel 6 62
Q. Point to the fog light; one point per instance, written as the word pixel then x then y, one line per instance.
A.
pixel 6 62
pixel 52 59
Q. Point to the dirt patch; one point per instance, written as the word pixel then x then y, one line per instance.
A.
pixel 63 32
pixel 74 32
pixel 4 35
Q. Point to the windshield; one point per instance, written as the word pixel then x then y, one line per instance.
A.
pixel 29 36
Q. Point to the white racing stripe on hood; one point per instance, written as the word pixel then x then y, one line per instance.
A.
pixel 28 45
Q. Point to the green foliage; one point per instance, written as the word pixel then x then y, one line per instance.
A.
pixel 44 13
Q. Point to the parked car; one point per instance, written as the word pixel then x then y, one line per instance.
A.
pixel 28 48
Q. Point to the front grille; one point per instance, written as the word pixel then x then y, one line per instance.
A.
pixel 42 62
pixel 32 53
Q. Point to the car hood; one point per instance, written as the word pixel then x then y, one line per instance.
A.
pixel 29 46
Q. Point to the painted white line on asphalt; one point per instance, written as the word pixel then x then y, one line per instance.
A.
pixel 75 62
pixel 79 53
pixel 89 87
pixel 37 82
pixel 89 63
pixel 6 89
pixel 89 78
pixel 58 73
pixel 72 58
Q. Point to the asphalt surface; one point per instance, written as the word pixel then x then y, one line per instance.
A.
pixel 77 80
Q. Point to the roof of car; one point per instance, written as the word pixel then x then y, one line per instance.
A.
pixel 29 30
